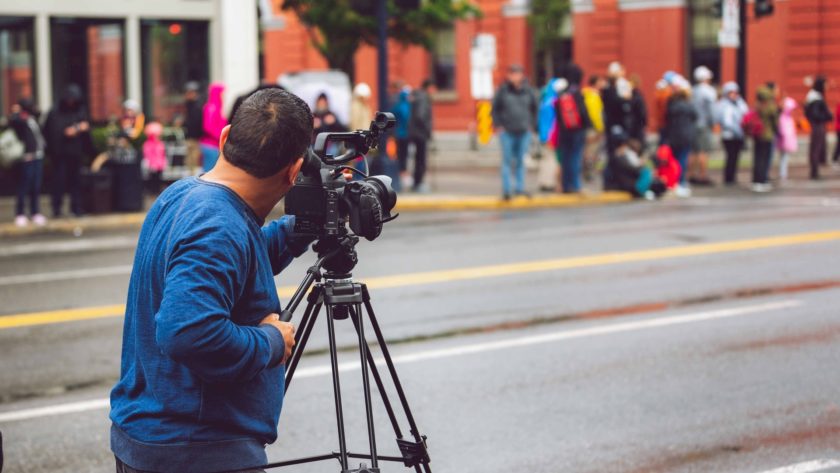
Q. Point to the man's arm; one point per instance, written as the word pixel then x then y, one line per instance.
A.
pixel 283 244
pixel 193 325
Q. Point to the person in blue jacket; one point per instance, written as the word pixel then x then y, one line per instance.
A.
pixel 201 379
pixel 401 108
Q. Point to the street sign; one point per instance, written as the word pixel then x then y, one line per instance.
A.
pixel 730 28
pixel 482 63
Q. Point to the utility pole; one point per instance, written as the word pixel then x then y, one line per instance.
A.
pixel 741 67
pixel 382 49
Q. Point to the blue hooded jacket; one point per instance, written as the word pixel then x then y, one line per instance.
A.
pixel 402 112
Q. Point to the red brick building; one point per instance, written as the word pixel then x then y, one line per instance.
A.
pixel 288 49
pixel 647 36
pixel 651 36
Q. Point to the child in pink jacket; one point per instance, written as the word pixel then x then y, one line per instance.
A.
pixel 154 153
pixel 787 141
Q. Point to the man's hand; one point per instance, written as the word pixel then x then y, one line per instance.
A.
pixel 286 329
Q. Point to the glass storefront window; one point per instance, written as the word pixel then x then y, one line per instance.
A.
pixel 443 59
pixel 90 53
pixel 17 61
pixel 174 53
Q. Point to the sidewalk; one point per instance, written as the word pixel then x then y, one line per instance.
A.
pixel 459 179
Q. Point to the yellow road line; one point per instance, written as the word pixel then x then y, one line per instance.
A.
pixel 57 316
pixel 479 272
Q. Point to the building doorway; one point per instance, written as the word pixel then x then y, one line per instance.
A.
pixel 90 54
pixel 704 25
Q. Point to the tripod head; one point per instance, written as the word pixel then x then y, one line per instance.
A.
pixel 338 254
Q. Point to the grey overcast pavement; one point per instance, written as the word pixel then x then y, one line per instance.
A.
pixel 720 361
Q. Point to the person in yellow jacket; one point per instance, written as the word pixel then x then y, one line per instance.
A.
pixel 594 136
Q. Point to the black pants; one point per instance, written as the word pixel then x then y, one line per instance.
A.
pixel 817 153
pixel 123 468
pixel 402 153
pixel 836 157
pixel 761 161
pixel 66 179
pixel 419 160
pixel 733 153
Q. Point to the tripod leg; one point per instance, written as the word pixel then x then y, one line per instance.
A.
pixel 363 354
pixel 397 385
pixel 377 378
pixel 307 322
pixel 339 412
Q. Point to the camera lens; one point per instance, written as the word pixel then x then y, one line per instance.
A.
pixel 384 192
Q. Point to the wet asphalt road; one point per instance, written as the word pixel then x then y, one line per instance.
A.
pixel 602 390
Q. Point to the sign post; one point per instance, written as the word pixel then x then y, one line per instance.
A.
pixel 482 64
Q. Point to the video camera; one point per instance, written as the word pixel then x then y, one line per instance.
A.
pixel 323 200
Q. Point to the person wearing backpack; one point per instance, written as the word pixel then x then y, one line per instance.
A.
pixel 763 125
pixel 680 126
pixel 818 115
pixel 729 113
pixel 572 123
pixel 514 117
pixel 24 121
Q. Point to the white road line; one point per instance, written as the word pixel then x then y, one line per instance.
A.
pixel 69 246
pixel 64 275
pixel 806 467
pixel 474 348
pixel 57 409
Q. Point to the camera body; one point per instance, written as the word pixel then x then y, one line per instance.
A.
pixel 324 201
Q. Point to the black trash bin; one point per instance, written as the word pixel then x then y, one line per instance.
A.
pixel 96 191
pixel 127 185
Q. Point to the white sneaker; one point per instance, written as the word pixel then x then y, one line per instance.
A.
pixel 683 191
pixel 39 220
pixel 766 187
pixel 21 221
pixel 760 188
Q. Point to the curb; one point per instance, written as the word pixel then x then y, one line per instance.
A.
pixel 405 203
pixel 419 203
pixel 76 226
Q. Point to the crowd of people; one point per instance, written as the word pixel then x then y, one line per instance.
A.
pixel 604 125
pixel 598 124
pixel 64 139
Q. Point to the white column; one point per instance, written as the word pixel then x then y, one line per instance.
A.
pixel 133 68
pixel 238 47
pixel 43 58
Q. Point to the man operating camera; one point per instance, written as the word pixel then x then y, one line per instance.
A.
pixel 201 383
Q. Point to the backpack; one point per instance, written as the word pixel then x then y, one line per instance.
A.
pixel 11 148
pixel 752 124
pixel 568 112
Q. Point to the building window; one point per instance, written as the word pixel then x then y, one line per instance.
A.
pixel 174 53
pixel 89 53
pixel 703 40
pixel 443 59
pixel 17 61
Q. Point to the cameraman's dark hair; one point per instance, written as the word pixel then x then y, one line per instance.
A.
pixel 271 129
pixel 593 80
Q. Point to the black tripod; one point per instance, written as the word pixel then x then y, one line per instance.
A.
pixel 343 299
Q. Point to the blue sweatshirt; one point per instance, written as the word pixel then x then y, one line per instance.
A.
pixel 201 384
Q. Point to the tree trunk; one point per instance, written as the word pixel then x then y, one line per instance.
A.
pixel 347 65
pixel 548 64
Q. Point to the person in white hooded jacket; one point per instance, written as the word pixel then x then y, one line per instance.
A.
pixel 729 113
